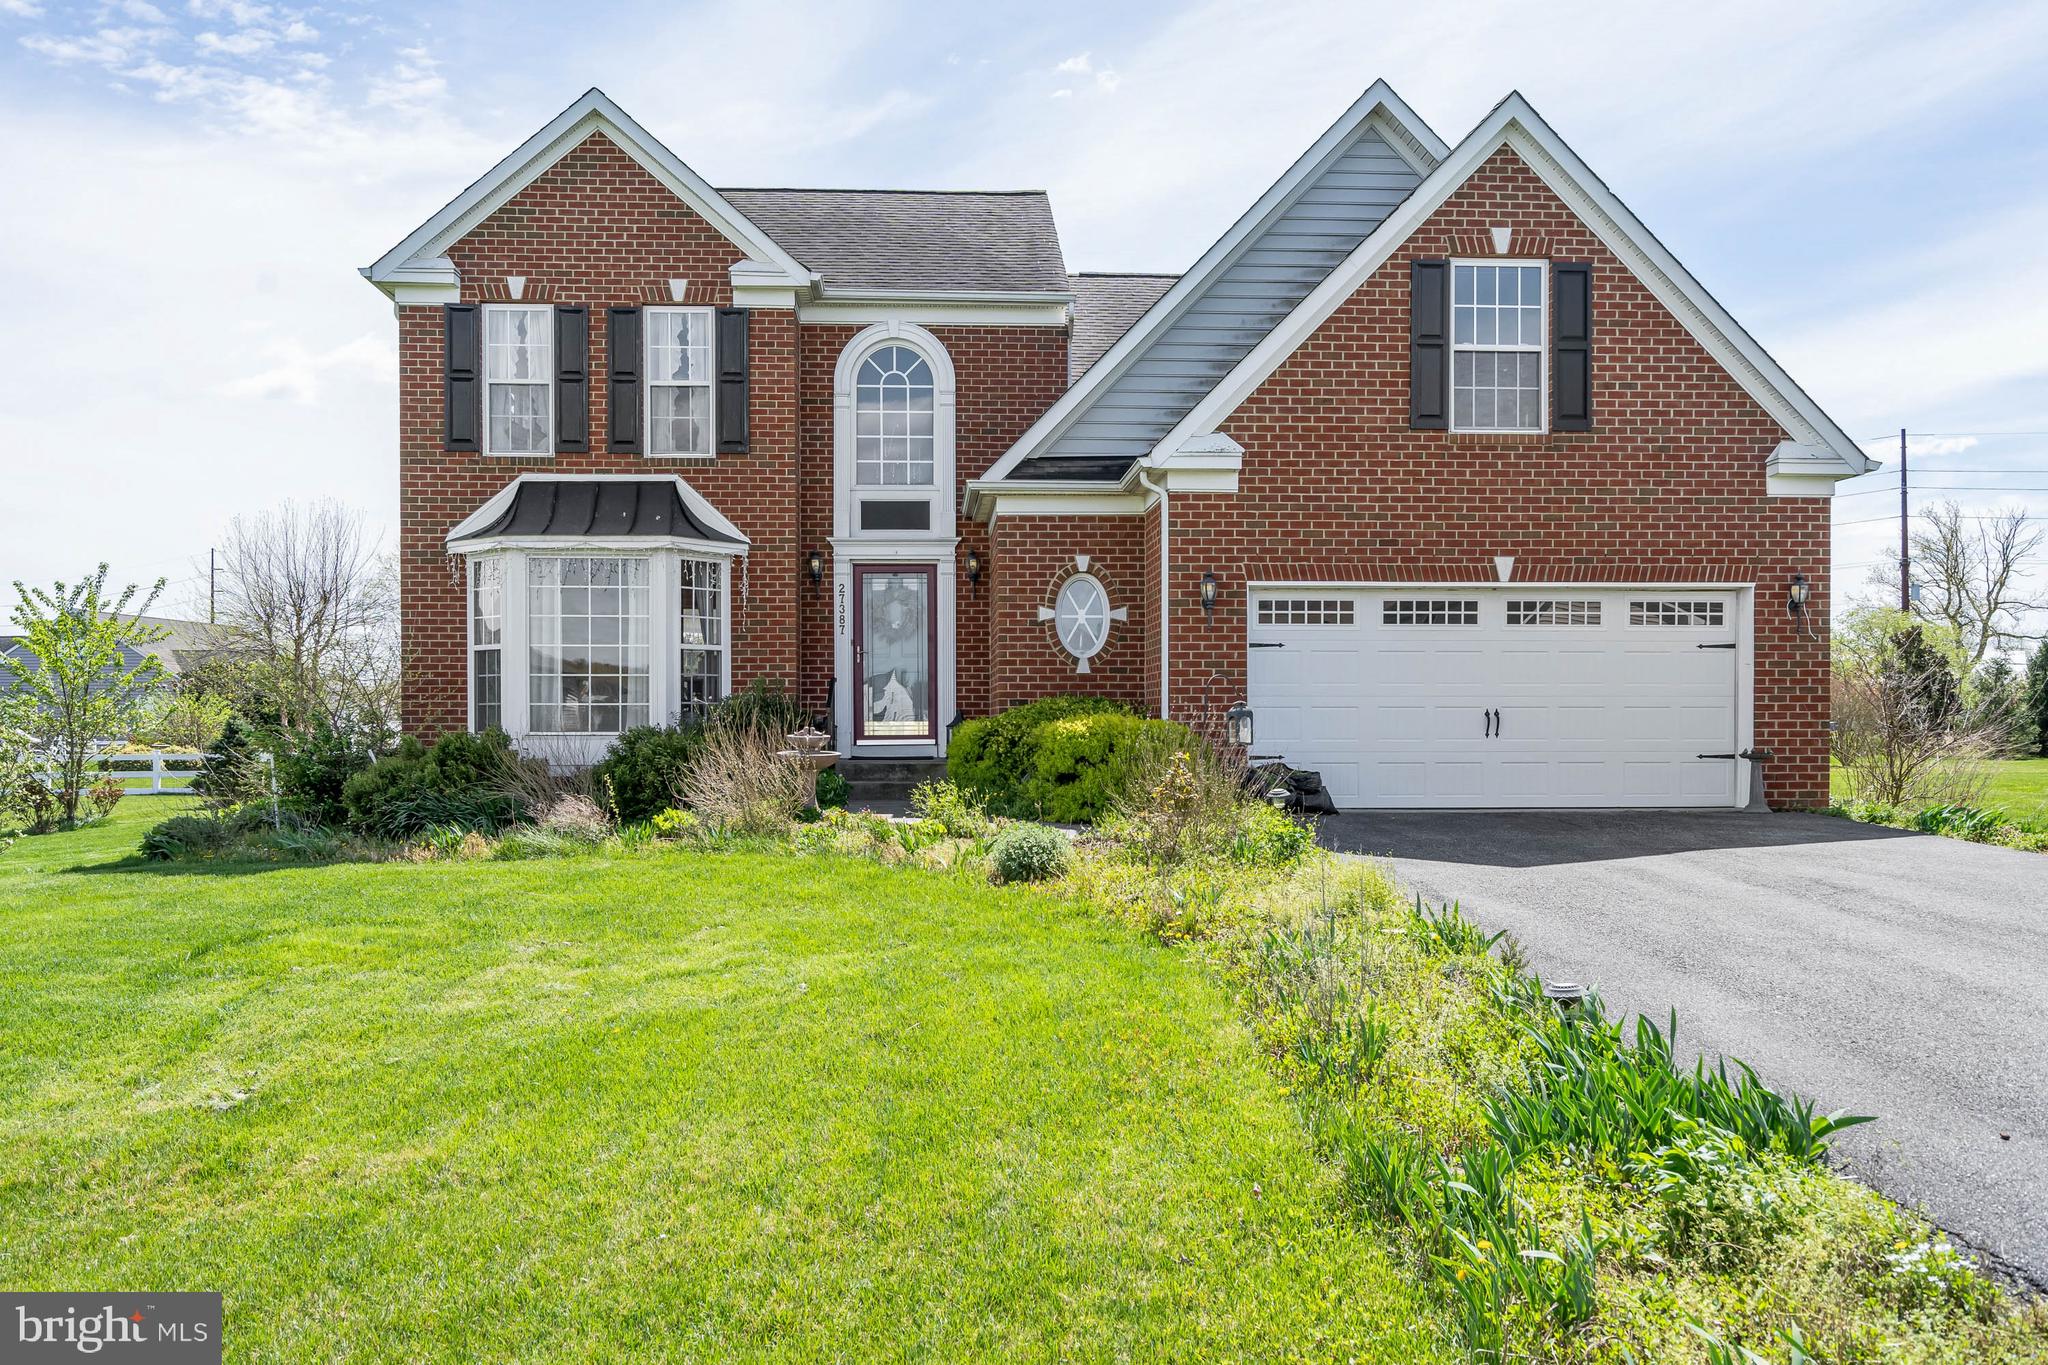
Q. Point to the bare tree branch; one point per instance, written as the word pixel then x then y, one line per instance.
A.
pixel 1972 573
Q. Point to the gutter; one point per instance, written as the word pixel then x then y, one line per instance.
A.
pixel 1165 580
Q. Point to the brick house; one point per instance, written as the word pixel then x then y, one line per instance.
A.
pixel 1437 459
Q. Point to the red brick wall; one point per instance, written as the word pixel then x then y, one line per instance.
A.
pixel 596 229
pixel 1033 556
pixel 1668 486
pixel 1004 378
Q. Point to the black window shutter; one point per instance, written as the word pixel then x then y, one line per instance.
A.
pixel 1429 371
pixel 572 380
pixel 1571 345
pixel 462 376
pixel 624 395
pixel 732 381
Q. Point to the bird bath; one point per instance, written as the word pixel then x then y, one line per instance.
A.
pixel 807 746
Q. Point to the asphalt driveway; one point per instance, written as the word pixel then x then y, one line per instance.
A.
pixel 1901 975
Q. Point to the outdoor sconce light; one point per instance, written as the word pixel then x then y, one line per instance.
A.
pixel 974 566
pixel 1208 594
pixel 1237 725
pixel 1795 602
pixel 814 564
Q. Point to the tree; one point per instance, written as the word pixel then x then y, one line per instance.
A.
pixel 1972 573
pixel 309 611
pixel 80 675
pixel 1903 728
pixel 2035 701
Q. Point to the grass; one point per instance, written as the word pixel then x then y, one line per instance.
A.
pixel 2018 786
pixel 671 1105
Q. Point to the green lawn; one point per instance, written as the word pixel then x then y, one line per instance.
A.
pixel 672 1107
pixel 2019 787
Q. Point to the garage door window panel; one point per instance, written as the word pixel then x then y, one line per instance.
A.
pixel 1680 613
pixel 1553 612
pixel 1429 611
pixel 1306 611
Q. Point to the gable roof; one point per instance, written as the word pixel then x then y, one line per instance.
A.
pixel 1397 148
pixel 1820 447
pixel 1105 307
pixel 937 241
pixel 420 257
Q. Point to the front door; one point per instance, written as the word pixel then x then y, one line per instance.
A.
pixel 895 653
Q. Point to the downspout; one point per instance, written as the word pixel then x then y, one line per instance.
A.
pixel 1165 579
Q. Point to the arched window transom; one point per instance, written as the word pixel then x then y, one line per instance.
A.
pixel 892 419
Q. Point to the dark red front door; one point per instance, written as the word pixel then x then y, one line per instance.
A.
pixel 895 653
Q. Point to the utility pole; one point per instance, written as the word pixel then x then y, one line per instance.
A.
pixel 1905 542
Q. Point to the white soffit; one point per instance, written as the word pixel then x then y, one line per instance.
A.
pixel 593 113
pixel 1514 124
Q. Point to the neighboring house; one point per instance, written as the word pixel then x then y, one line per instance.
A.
pixel 1437 458
pixel 185 645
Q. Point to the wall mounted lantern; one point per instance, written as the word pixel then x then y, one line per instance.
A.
pixel 1795 602
pixel 814 564
pixel 1208 593
pixel 1237 725
pixel 974 566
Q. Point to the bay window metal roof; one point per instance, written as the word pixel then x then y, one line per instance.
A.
pixel 551 507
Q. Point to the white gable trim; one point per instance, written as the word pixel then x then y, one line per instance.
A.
pixel 1378 107
pixel 1517 126
pixel 593 113
pixel 457 539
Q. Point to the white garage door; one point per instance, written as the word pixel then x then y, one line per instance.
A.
pixel 1505 697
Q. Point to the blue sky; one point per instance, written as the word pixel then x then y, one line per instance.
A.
pixel 193 183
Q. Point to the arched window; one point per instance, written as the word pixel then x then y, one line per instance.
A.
pixel 893 419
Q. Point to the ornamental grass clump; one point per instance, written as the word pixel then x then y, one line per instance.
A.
pixel 739 782
pixel 1029 853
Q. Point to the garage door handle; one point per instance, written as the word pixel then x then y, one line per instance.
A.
pixel 1496 722
pixel 1492 719
pixel 1268 644
pixel 1729 645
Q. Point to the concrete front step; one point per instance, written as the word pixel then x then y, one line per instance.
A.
pixel 886 783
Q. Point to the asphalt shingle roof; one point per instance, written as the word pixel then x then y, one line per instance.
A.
pixel 915 239
pixel 1105 307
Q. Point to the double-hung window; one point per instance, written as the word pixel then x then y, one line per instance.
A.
pixel 1498 346
pixel 679 381
pixel 486 643
pixel 588 655
pixel 519 369
pixel 702 634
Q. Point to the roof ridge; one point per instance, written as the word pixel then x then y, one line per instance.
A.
pixel 867 189
pixel 1126 274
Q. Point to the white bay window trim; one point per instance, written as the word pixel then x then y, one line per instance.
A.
pixel 1478 352
pixel 665 644
pixel 513 368
pixel 696 380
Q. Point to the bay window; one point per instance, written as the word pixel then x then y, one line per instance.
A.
pixel 587 644
pixel 701 588
pixel 679 381
pixel 519 373
pixel 1498 346
pixel 486 644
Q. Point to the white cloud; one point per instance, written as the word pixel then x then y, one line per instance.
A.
pixel 241 43
pixel 21 9
pixel 300 373
pixel 143 11
pixel 1076 66
pixel 414 83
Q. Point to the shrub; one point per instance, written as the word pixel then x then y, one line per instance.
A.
pixel 993 757
pixel 459 782
pixel 952 809
pixel 740 784
pixel 234 771
pixel 1960 822
pixel 1029 853
pixel 312 770
pixel 763 706
pixel 1268 837
pixel 188 836
pixel 1082 765
pixel 831 790
pixel 576 817
pixel 673 823
pixel 638 775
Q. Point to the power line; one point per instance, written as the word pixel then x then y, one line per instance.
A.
pixel 1952 488
pixel 1870 521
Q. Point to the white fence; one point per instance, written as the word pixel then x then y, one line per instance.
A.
pixel 155 773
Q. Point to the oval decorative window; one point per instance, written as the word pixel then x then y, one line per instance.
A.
pixel 1081 616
